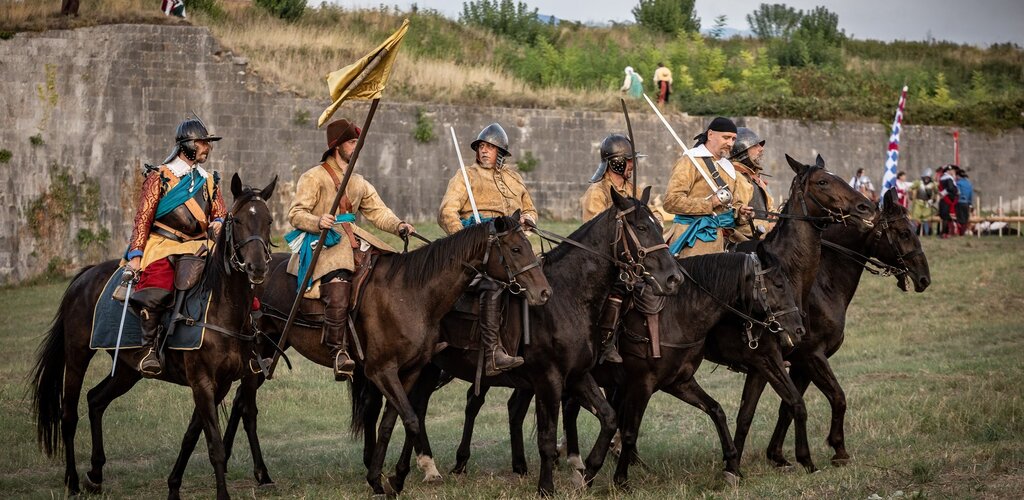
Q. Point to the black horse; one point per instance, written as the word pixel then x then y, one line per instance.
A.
pixel 238 262
pixel 847 252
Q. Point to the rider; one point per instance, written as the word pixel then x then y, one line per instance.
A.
pixel 706 208
pixel 614 172
pixel 747 155
pixel 498 191
pixel 179 202
pixel 310 212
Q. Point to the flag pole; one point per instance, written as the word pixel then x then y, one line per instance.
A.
pixel 323 235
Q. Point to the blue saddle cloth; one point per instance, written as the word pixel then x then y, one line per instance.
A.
pixel 107 316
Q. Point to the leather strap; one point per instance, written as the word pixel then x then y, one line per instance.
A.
pixel 173 234
pixel 345 206
pixel 714 172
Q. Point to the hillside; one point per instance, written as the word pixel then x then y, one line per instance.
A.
pixel 580 67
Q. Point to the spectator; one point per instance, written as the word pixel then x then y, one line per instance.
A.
pixel 948 197
pixel 173 8
pixel 663 81
pixel 902 187
pixel 633 84
pixel 862 183
pixel 922 209
pixel 965 201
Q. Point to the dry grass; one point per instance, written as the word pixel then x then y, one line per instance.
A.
pixel 38 15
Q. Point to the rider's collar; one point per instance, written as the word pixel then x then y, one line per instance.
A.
pixel 181 168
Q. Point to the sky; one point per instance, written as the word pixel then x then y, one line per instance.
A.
pixel 976 22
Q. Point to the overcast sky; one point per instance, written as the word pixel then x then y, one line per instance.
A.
pixel 978 22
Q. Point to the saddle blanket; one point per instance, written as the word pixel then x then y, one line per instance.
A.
pixel 107 316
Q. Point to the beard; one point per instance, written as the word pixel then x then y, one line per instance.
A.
pixel 344 156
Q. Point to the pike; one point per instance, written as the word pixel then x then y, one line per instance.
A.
pixel 465 177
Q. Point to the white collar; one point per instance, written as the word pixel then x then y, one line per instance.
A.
pixel 180 168
pixel 702 151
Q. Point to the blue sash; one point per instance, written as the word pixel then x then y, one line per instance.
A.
pixel 702 227
pixel 302 243
pixel 471 221
pixel 180 193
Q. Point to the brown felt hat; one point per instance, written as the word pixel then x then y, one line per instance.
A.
pixel 339 132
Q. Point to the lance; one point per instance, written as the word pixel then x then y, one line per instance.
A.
pixel 323 236
pixel 465 177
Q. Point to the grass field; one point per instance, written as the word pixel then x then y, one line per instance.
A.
pixel 933 382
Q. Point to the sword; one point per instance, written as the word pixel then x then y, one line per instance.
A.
pixel 465 177
pixel 707 178
pixel 124 312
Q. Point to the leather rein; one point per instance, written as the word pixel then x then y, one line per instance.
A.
pixel 872 264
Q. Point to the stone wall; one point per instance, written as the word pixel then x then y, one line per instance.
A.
pixel 84 109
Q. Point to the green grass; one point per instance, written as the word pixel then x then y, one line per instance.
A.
pixel 933 382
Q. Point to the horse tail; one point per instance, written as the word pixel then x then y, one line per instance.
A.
pixel 48 377
pixel 358 393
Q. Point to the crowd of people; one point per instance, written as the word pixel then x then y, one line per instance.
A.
pixel 951 197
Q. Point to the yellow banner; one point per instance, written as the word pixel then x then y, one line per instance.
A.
pixel 366 78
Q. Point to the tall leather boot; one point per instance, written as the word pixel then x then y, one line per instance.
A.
pixel 335 296
pixel 496 360
pixel 609 328
pixel 150 304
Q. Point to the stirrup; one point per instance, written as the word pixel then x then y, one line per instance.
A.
pixel 343 370
pixel 149 373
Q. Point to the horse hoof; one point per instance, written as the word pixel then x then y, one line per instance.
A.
pixel 732 479
pixel 520 471
pixel 266 484
pixel 430 473
pixel 577 480
pixel 811 469
pixel 458 470
pixel 576 462
pixel 91 487
pixel 840 462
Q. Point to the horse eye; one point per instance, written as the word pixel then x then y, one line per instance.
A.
pixel 642 228
pixel 822 183
pixel 905 235
pixel 516 250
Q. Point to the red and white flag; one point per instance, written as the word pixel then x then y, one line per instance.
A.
pixel 892 157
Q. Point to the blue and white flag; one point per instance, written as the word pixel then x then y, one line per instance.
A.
pixel 892 157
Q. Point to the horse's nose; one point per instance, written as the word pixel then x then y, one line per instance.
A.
pixel 799 332
pixel 924 282
pixel 545 294
pixel 674 281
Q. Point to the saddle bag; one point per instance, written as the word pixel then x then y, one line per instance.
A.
pixel 189 271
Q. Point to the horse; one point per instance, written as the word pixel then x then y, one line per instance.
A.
pixel 894 248
pixel 816 196
pixel 237 263
pixel 565 337
pixel 397 322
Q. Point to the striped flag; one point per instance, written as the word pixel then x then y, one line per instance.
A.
pixel 892 157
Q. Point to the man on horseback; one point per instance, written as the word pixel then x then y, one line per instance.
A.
pixel 747 152
pixel 310 212
pixel 705 209
pixel 614 172
pixel 497 191
pixel 176 207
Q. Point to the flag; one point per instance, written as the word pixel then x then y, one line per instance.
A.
pixel 366 78
pixel 893 157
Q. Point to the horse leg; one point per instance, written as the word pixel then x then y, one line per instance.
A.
pixel 571 439
pixel 753 387
pixel 188 445
pixel 206 394
pixel 693 394
pixel 589 393
pixel 775 453
pixel 396 391
pixel 74 376
pixel 473 405
pixel 99 398
pixel 549 400
pixel 820 372
pixel 518 408
pixel 244 409
pixel 633 404
pixel 420 398
pixel 771 368
pixel 374 401
pixel 380 448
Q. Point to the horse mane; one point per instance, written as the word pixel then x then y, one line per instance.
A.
pixel 719 273
pixel 561 249
pixel 419 266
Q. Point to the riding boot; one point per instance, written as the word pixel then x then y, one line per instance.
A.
pixel 496 360
pixel 335 296
pixel 609 328
pixel 150 304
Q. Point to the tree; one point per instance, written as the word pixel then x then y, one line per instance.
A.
pixel 774 21
pixel 719 28
pixel 289 10
pixel 821 24
pixel 667 16
pixel 510 19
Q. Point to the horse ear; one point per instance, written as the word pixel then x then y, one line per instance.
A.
pixel 644 198
pixel 236 185
pixel 617 199
pixel 797 167
pixel 890 202
pixel 517 215
pixel 819 161
pixel 268 191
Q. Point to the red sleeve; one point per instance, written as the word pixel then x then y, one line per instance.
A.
pixel 219 210
pixel 149 198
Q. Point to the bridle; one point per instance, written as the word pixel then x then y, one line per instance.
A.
pixel 760 294
pixel 494 239
pixel 232 259
pixel 631 269
pixel 803 193
pixel 872 264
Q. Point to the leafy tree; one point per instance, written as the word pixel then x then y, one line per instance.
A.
pixel 510 19
pixel 289 10
pixel 981 90
pixel 941 96
pixel 667 16
pixel 719 28
pixel 774 21
pixel 822 25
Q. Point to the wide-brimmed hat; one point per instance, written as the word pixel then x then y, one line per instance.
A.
pixel 338 133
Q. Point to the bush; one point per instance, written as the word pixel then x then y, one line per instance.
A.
pixel 424 131
pixel 5 155
pixel 528 162
pixel 289 10
pixel 36 140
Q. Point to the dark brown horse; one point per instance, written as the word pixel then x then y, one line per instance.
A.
pixel 847 252
pixel 397 324
pixel 565 337
pixel 238 262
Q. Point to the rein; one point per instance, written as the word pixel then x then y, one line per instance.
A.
pixel 833 217
pixel 231 259
pixel 494 239
pixel 872 264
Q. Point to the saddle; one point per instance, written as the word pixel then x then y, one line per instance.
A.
pixel 312 310
pixel 467 311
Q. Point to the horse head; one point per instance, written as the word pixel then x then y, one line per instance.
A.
pixel 639 246
pixel 895 243
pixel 773 297
pixel 823 194
pixel 248 221
pixel 516 264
